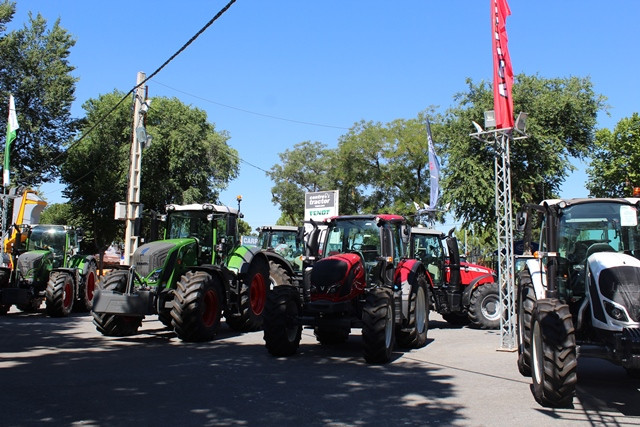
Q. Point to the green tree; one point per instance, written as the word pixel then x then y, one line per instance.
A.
pixel 58 213
pixel 34 67
pixel 562 116
pixel 615 162
pixel 187 162
pixel 384 168
pixel 305 168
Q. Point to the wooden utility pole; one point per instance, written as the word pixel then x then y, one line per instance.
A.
pixel 134 209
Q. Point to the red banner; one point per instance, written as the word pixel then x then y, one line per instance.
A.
pixel 502 70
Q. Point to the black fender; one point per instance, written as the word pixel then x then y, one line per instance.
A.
pixel 466 294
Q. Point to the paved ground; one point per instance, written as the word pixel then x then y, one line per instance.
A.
pixel 63 372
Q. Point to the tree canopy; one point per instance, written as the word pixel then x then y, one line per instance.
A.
pixel 188 161
pixel 615 162
pixel 384 168
pixel 34 68
pixel 561 122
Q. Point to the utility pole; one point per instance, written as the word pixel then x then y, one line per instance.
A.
pixel 134 209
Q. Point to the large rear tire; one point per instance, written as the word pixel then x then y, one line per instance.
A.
pixel 553 352
pixel 415 334
pixel 116 325
pixel 60 294
pixel 88 288
pixel 526 303
pixel 485 308
pixel 197 307
pixel 253 297
pixel 282 328
pixel 378 329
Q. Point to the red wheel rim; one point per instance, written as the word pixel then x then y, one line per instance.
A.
pixel 258 293
pixel 91 285
pixel 210 314
pixel 68 294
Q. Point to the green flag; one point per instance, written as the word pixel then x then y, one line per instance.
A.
pixel 12 128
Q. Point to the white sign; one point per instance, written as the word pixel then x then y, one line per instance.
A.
pixel 249 240
pixel 320 205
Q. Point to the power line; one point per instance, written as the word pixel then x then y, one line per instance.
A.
pixel 171 58
pixel 252 112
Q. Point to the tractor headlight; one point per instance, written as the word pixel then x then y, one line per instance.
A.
pixel 616 312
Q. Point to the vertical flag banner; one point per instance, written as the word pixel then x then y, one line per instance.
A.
pixel 12 128
pixel 502 69
pixel 434 171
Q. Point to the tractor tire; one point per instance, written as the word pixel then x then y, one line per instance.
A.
pixel 456 319
pixel 331 335
pixel 88 288
pixel 165 318
pixel 485 308
pixel 553 354
pixel 116 325
pixel 197 307
pixel 277 275
pixel 378 329
pixel 524 309
pixel 253 297
pixel 282 329
pixel 60 294
pixel 415 334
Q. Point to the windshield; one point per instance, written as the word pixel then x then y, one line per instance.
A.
pixel 362 235
pixel 181 224
pixel 47 238
pixel 595 227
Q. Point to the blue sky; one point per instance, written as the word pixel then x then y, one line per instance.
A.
pixel 276 73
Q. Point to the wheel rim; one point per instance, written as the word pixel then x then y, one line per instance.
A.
pixel 491 307
pixel 91 285
pixel 536 350
pixel 67 296
pixel 210 314
pixel 258 293
pixel 388 328
pixel 421 312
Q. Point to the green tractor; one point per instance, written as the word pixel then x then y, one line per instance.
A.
pixel 49 267
pixel 192 278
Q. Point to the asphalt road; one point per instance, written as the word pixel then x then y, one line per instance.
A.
pixel 63 372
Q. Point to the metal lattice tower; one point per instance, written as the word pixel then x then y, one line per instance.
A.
pixel 501 139
pixel 504 230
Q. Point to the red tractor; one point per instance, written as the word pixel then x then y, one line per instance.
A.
pixel 362 279
pixel 461 292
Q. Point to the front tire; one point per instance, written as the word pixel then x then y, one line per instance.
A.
pixel 253 297
pixel 282 328
pixel 378 329
pixel 277 275
pixel 197 307
pixel 485 308
pixel 60 294
pixel 116 325
pixel 415 334
pixel 526 303
pixel 553 351
pixel 88 288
